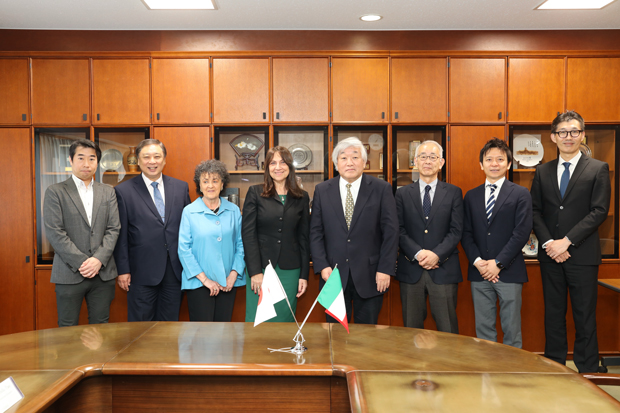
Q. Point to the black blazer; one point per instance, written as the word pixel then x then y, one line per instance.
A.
pixel 371 244
pixel 504 237
pixel 576 216
pixel 276 232
pixel 145 241
pixel 441 233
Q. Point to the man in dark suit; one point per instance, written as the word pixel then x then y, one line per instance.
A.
pixel 150 208
pixel 81 224
pixel 570 198
pixel 498 223
pixel 430 215
pixel 354 225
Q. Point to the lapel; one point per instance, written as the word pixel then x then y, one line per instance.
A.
pixel 504 193
pixel 579 168
pixel 288 202
pixel 143 192
pixel 75 197
pixel 553 175
pixel 362 197
pixel 479 202
pixel 168 187
pixel 333 192
pixel 415 198
pixel 97 199
pixel 440 193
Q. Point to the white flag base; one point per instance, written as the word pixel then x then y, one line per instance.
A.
pixel 299 346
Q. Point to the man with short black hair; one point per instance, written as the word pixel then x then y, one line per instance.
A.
pixel 82 225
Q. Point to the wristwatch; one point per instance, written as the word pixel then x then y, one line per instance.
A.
pixel 499 265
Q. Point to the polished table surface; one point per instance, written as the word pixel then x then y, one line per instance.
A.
pixel 387 368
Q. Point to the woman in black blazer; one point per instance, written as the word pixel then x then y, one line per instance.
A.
pixel 275 227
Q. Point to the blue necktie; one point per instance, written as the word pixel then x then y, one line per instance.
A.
pixel 426 205
pixel 565 178
pixel 491 202
pixel 159 201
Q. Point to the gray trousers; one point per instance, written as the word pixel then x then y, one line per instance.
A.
pixel 442 298
pixel 98 294
pixel 485 295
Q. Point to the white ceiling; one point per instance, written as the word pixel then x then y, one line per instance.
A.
pixel 303 15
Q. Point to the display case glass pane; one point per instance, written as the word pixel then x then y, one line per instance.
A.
pixel 118 157
pixel 374 139
pixel 532 146
pixel 243 151
pixel 405 140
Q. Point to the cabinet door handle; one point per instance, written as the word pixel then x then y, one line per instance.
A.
pixel 395 115
pixel 500 115
pixel 24 117
pixel 382 115
pixel 158 116
pixel 264 115
pixel 558 113
pixel 277 115
pixel 97 116
pixel 84 117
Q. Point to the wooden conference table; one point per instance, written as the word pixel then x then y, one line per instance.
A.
pixel 227 367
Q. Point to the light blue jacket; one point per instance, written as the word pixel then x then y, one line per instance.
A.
pixel 211 244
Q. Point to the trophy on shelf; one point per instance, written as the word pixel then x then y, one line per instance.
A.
pixel 247 149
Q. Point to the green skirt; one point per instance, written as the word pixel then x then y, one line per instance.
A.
pixel 290 282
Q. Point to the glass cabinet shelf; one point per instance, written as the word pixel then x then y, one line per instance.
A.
pixel 117 147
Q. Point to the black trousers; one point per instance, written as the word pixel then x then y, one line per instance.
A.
pixel 580 281
pixel 161 302
pixel 364 310
pixel 98 294
pixel 204 307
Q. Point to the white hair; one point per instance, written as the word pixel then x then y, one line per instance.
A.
pixel 344 145
pixel 430 142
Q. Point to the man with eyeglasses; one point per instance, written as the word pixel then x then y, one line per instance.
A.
pixel 570 199
pixel 430 216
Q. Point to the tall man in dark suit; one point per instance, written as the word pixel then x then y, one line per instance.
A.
pixel 570 197
pixel 150 208
pixel 81 223
pixel 498 222
pixel 430 216
pixel 354 225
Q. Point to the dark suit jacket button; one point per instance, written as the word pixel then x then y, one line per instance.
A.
pixel 347 260
pixel 557 225
pixel 489 233
pixel 348 240
pixel 90 251
pixel 281 218
pixel 280 230
pixel 279 242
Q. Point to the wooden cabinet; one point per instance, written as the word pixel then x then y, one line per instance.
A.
pixel 60 91
pixel 17 253
pixel 360 88
pixel 14 91
pixel 186 147
pixel 241 90
pixel 535 89
pixel 477 90
pixel 419 90
pixel 121 91
pixel 593 88
pixel 301 90
pixel 181 91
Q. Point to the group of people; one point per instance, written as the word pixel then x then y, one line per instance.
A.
pixel 147 234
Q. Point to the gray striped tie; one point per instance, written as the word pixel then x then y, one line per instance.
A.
pixel 491 202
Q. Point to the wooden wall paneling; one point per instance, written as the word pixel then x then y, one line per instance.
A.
pixel 14 92
pixel 121 91
pixel 17 255
pixel 477 89
pixel 419 90
pixel 536 89
pixel 360 89
pixel 181 91
pixel 300 90
pixel 593 88
pixel 241 90
pixel 91 395
pixel 61 91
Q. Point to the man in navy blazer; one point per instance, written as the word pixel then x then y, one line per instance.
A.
pixel 354 225
pixel 150 208
pixel 430 216
pixel 570 197
pixel 498 223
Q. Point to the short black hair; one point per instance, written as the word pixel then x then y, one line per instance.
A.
pixel 499 144
pixel 567 117
pixel 84 143
pixel 147 142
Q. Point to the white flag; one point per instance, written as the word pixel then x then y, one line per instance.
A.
pixel 271 292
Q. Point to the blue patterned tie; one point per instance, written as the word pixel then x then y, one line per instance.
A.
pixel 159 201
pixel 491 202
pixel 426 205
pixel 565 178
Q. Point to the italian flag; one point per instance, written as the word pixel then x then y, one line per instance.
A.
pixel 332 298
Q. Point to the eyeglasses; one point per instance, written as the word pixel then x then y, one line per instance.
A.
pixel 432 157
pixel 564 133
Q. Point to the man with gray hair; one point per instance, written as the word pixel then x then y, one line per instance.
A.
pixel 430 216
pixel 354 225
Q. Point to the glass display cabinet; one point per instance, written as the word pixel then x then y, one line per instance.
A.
pixel 118 153
pixel 405 141
pixel 243 150
pixel 531 146
pixel 374 139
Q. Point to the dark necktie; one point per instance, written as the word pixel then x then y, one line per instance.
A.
pixel 426 205
pixel 159 201
pixel 491 201
pixel 565 178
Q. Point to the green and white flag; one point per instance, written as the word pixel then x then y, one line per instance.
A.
pixel 332 298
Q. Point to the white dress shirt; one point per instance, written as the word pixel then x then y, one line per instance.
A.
pixel 355 190
pixel 431 194
pixel 86 195
pixel 160 181
pixel 571 168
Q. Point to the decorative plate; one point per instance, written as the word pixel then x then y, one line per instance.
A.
pixel 376 142
pixel 585 149
pixel 531 247
pixel 302 155
pixel 528 149
pixel 111 160
pixel 247 145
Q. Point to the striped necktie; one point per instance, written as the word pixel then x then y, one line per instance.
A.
pixel 491 202
pixel 159 201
